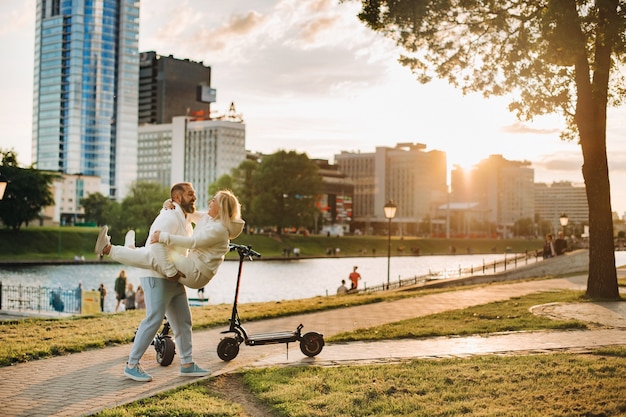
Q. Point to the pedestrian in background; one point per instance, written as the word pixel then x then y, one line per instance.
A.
pixel 129 302
pixel 342 290
pixel 120 289
pixel 103 294
pixel 354 278
pixel 548 247
pixel 140 300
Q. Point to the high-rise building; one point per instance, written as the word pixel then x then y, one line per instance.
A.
pixel 198 151
pixel 503 189
pixel 413 178
pixel 168 87
pixel 562 197
pixel 85 90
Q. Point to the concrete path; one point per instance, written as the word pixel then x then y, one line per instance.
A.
pixel 84 383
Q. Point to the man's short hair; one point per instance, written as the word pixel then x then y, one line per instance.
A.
pixel 179 188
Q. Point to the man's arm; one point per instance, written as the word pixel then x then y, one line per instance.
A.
pixel 166 220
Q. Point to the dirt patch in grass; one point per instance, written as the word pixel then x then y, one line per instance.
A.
pixel 230 387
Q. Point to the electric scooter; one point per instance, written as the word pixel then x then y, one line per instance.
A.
pixel 163 345
pixel 311 343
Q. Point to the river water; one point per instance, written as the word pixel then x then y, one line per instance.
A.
pixel 262 280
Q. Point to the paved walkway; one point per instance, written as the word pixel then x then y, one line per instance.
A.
pixel 84 383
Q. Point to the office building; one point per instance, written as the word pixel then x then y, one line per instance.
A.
pixel 86 74
pixel 407 174
pixel 168 87
pixel 335 201
pixel 502 190
pixel 195 151
pixel 562 197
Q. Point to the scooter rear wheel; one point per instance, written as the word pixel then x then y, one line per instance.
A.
pixel 311 344
pixel 228 349
pixel 165 350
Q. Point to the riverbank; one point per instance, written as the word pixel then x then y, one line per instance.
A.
pixel 62 245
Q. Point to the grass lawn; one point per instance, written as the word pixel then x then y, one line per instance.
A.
pixel 537 385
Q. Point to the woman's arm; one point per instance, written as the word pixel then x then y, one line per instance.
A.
pixel 203 238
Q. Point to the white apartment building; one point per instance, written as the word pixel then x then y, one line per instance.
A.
pixel 68 190
pixel 414 179
pixel 562 197
pixel 197 151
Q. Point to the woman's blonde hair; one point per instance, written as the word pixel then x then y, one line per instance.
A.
pixel 229 207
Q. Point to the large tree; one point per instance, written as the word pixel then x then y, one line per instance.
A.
pixel 287 185
pixel 95 206
pixel 27 194
pixel 137 211
pixel 551 56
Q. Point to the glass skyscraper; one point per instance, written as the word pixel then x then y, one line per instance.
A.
pixel 86 90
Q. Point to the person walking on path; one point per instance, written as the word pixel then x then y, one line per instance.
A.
pixel 120 289
pixel 354 277
pixel 164 297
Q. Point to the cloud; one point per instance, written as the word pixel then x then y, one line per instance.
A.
pixel 312 48
pixel 15 16
pixel 521 128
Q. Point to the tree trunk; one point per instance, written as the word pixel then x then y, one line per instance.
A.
pixel 602 279
pixel 590 118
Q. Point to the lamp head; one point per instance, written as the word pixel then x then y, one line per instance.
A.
pixel 390 209
pixel 563 219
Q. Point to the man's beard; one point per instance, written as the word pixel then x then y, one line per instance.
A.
pixel 188 206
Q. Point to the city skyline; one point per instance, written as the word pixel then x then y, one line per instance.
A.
pixel 308 76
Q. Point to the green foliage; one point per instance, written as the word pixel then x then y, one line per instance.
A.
pixel 47 243
pixel 225 182
pixel 138 210
pixel 26 195
pixel 95 206
pixel 287 185
pixel 524 227
pixel 245 188
pixel 499 47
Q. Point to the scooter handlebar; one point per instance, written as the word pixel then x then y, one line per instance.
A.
pixel 244 250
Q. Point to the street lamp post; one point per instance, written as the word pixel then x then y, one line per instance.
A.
pixel 564 220
pixel 390 212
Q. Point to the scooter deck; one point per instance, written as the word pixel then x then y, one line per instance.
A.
pixel 270 338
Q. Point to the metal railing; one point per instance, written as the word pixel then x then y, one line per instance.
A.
pixel 39 299
pixel 510 261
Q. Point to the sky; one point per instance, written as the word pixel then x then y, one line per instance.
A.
pixel 308 76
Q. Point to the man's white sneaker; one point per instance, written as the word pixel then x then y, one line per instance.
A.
pixel 103 240
pixel 129 239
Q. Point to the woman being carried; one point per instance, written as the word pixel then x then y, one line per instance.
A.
pixel 207 245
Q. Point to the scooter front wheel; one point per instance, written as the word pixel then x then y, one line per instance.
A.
pixel 311 344
pixel 228 349
pixel 165 350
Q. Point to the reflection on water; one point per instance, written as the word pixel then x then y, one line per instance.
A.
pixel 261 280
